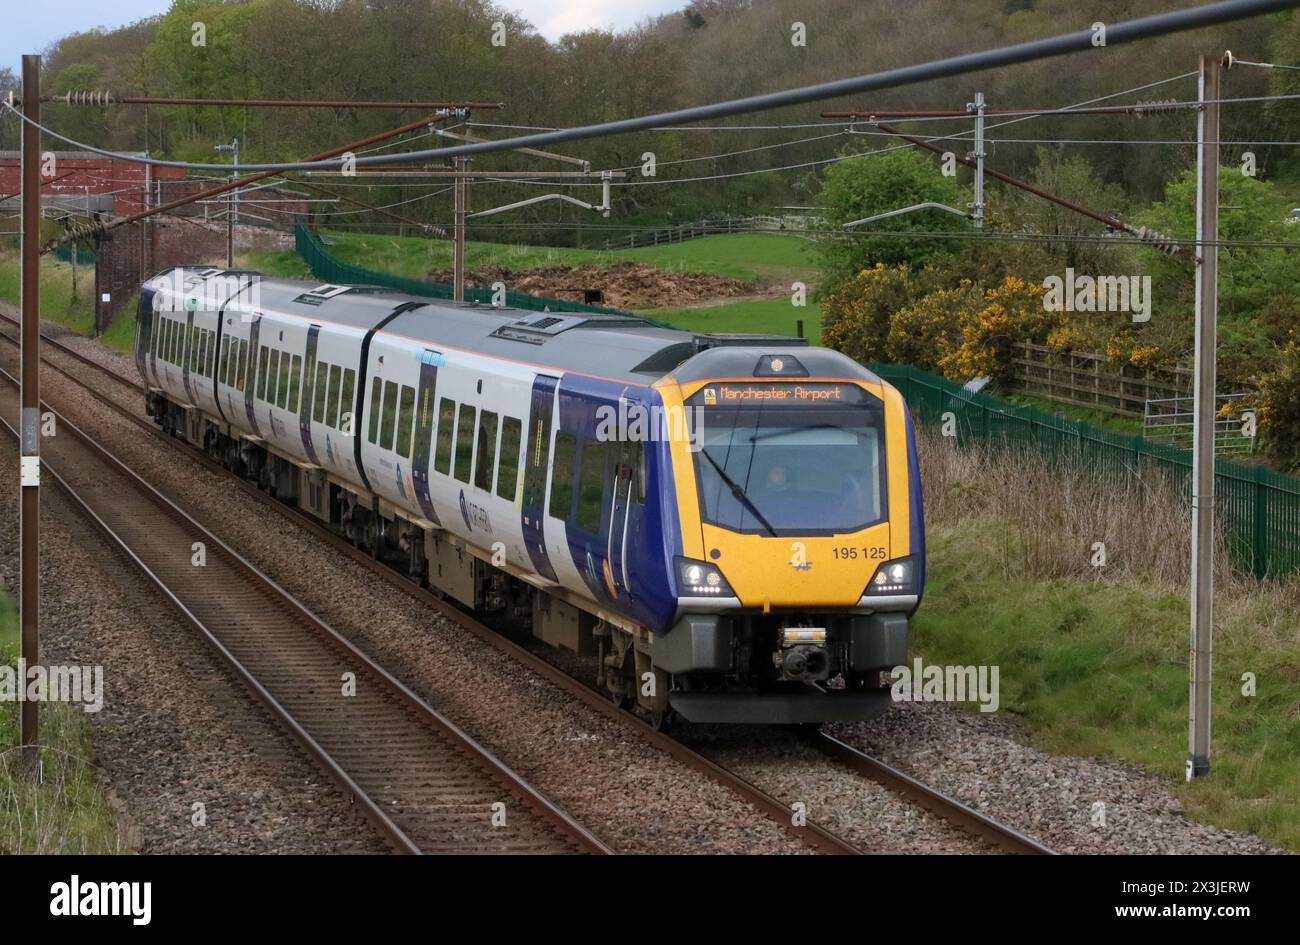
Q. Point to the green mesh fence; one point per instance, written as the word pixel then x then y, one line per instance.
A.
pixel 330 269
pixel 1259 508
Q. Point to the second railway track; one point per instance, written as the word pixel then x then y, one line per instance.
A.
pixel 961 816
pixel 427 786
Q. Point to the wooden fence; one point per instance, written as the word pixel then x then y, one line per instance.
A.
pixel 1087 379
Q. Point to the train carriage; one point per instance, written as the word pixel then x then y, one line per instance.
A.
pixel 729 525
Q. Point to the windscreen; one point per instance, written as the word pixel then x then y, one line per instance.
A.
pixel 788 458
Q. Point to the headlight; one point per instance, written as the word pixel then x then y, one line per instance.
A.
pixel 700 579
pixel 894 577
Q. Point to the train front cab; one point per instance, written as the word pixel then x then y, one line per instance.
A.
pixel 802 553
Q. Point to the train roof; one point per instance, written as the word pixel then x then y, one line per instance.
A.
pixel 620 347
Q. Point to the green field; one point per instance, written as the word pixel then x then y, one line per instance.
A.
pixel 1096 668
pixel 749 257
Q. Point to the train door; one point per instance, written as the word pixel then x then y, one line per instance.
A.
pixel 308 390
pixel 425 406
pixel 254 333
pixel 623 479
pixel 146 327
pixel 187 355
pixel 536 465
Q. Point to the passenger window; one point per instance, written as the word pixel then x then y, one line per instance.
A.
pixel 153 337
pixel 446 419
pixel 375 390
pixel 347 401
pixel 164 343
pixel 486 450
pixel 562 475
pixel 262 370
pixel 283 380
pixel 243 364
pixel 592 485
pixel 295 381
pixel 405 412
pixel 322 383
pixel 332 401
pixel 464 442
pixel 508 464
pixel 224 373
pixel 390 415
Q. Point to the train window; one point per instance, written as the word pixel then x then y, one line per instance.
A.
pixel 446 420
pixel 295 380
pixel 282 389
pixel 375 389
pixel 562 475
pixel 243 363
pixel 591 485
pixel 223 374
pixel 346 404
pixel 405 413
pixel 232 362
pixel 192 348
pixel 464 442
pixel 201 359
pixel 486 450
pixel 262 355
pixel 174 344
pixel 390 415
pixel 153 333
pixel 318 408
pixel 170 332
pixel 508 463
pixel 332 401
pixel 164 339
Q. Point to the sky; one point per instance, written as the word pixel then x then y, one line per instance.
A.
pixel 30 27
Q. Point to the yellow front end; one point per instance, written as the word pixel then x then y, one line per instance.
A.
pixel 795 571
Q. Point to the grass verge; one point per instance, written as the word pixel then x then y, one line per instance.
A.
pixel 67 812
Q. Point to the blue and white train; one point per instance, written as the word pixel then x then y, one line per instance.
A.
pixel 730 525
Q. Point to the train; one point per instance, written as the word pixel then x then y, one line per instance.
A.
pixel 726 527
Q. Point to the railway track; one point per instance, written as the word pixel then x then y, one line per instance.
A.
pixel 426 785
pixel 961 816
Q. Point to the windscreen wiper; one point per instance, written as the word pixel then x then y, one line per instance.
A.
pixel 739 493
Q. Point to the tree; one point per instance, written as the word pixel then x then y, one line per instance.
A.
pixel 859 187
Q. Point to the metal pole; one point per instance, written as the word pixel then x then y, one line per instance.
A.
pixel 978 206
pixel 1207 277
pixel 30 475
pixel 458 253
pixel 234 210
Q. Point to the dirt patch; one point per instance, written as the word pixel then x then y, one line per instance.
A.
pixel 624 285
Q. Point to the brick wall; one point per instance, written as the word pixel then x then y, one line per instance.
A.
pixel 128 255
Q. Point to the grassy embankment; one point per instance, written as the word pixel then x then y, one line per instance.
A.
pixel 58 304
pixel 68 811
pixel 1095 660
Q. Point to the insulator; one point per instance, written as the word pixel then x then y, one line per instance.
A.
pixel 1166 244
pixel 1159 107
pixel 90 97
